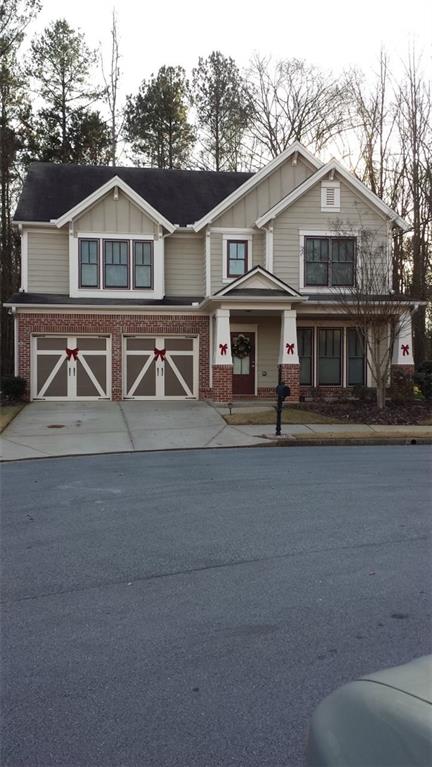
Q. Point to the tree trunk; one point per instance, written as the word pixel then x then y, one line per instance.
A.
pixel 381 395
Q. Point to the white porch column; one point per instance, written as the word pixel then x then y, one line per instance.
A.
pixel 222 338
pixel 403 348
pixel 288 354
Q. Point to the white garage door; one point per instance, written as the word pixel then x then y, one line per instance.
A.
pixel 160 367
pixel 71 367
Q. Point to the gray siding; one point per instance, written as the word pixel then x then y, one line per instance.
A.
pixel 216 247
pixel 48 262
pixel 305 214
pixel 245 212
pixel 258 249
pixel 269 329
pixel 116 217
pixel 184 266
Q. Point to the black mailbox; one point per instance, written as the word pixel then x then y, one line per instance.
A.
pixel 282 391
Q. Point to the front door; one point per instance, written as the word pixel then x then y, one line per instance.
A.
pixel 243 363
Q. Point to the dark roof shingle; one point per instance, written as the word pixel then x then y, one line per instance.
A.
pixel 182 196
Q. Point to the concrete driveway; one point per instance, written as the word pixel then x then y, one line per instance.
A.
pixel 71 428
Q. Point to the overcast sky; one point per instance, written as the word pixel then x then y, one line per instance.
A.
pixel 332 34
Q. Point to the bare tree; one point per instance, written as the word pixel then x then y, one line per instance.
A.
pixel 111 80
pixel 414 117
pixel 294 100
pixel 376 311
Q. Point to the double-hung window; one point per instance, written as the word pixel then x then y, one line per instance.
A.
pixel 329 356
pixel 116 263
pixel 89 263
pixel 329 261
pixel 305 347
pixel 355 358
pixel 142 264
pixel 237 258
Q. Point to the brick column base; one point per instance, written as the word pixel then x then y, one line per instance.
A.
pixel 408 370
pixel 222 383
pixel 290 375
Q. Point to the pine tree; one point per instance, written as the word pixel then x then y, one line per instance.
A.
pixel 223 109
pixel 156 120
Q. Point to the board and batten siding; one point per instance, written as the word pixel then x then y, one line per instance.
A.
pixel 112 216
pixel 305 215
pixel 48 262
pixel 245 212
pixel 184 266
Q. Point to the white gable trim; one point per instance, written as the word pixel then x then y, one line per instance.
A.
pixel 317 176
pixel 257 270
pixel 254 180
pixel 101 191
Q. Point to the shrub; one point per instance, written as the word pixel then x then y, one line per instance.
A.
pixel 364 393
pixel 13 387
pixel 423 378
pixel 401 388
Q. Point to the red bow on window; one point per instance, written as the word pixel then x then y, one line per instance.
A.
pixel 405 350
pixel 290 348
pixel 159 353
pixel 72 353
pixel 223 348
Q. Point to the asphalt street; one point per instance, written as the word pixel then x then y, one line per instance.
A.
pixel 191 608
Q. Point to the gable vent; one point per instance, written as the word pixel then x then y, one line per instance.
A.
pixel 330 196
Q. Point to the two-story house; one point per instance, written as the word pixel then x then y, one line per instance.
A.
pixel 166 284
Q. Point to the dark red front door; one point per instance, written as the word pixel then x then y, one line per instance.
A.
pixel 243 366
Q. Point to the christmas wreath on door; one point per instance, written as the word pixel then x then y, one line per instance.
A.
pixel 241 346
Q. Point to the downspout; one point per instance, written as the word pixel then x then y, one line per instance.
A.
pixel 16 358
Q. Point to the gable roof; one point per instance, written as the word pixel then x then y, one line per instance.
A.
pixel 115 181
pixel 180 196
pixel 257 177
pixel 333 164
pixel 267 284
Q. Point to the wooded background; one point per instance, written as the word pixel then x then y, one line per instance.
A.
pixel 60 102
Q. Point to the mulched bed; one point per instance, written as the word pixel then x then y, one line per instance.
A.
pixel 415 412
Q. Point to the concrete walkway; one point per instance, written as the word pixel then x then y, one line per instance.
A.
pixel 44 429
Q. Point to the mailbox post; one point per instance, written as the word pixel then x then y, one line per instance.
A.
pixel 282 391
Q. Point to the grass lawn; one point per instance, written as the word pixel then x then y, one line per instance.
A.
pixel 268 416
pixel 8 413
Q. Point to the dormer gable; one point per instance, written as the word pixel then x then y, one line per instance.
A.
pixel 258 282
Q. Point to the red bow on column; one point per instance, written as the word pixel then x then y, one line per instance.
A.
pixel 223 348
pixel 159 353
pixel 290 348
pixel 72 353
pixel 405 350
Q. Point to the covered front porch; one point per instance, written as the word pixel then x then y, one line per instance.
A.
pixel 256 348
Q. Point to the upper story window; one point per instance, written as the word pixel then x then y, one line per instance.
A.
pixel 89 263
pixel 329 261
pixel 116 263
pixel 142 264
pixel 237 258
pixel 124 264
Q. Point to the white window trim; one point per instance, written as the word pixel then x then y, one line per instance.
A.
pixel 158 266
pixel 235 235
pixel 330 208
pixel 319 233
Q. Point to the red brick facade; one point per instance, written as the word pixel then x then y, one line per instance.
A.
pixel 406 369
pixel 290 375
pixel 222 383
pixel 115 325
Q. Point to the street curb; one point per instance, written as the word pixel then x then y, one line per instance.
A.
pixel 346 441
pixel 284 442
